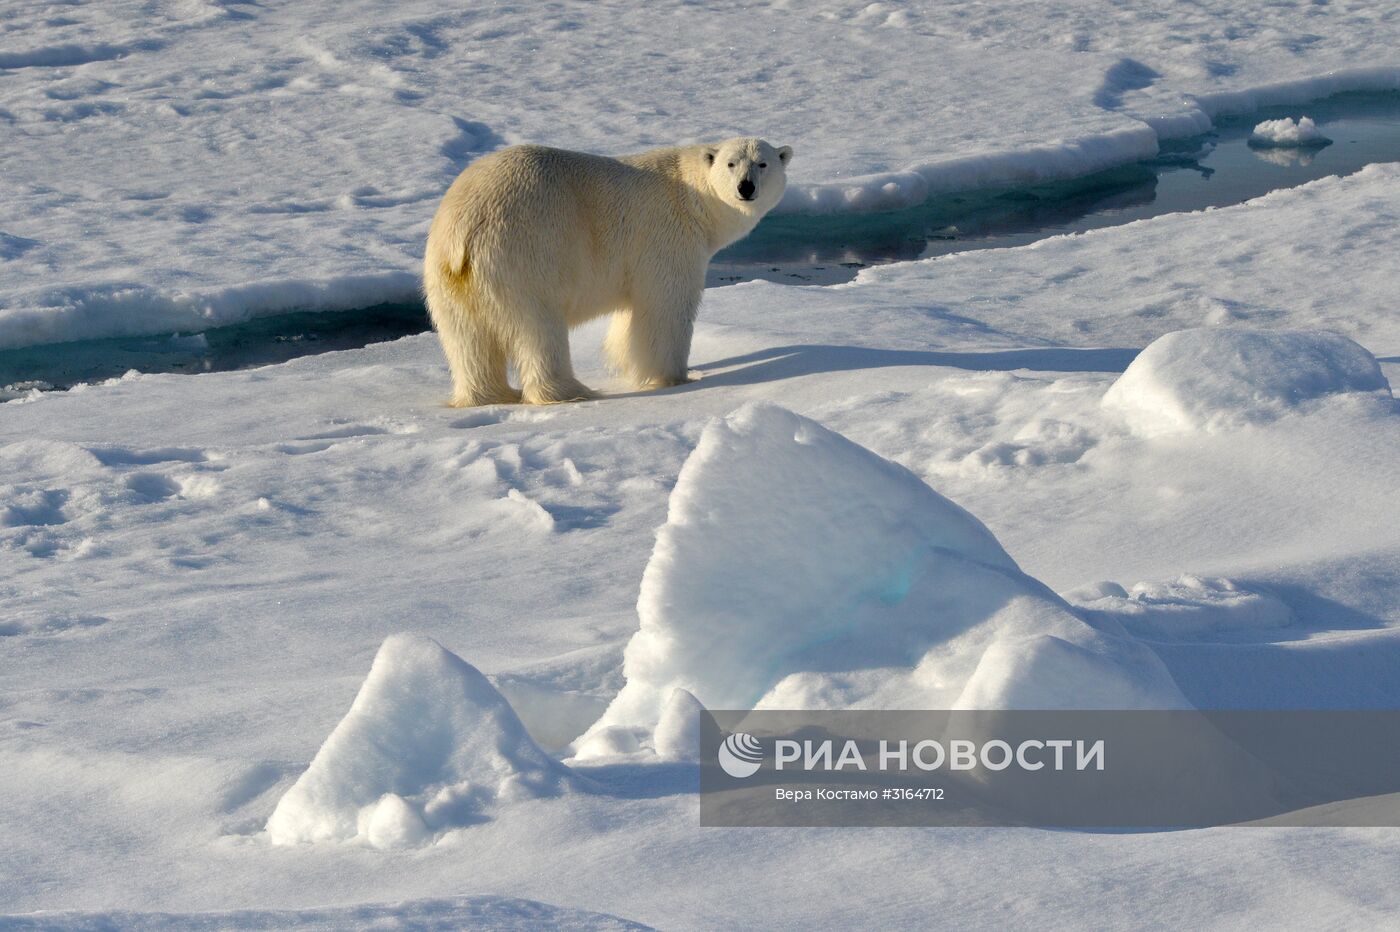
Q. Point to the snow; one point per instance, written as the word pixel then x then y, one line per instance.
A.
pixel 1216 378
pixel 196 572
pixel 184 164
pixel 1188 606
pixel 425 725
pixel 1288 132
pixel 487 913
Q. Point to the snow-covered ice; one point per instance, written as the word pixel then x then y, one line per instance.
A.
pixel 200 569
pixel 1288 133
pixel 197 572
pixel 182 164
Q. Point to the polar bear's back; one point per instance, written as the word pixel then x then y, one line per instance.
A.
pixel 537 180
pixel 587 219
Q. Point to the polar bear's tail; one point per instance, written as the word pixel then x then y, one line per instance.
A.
pixel 456 303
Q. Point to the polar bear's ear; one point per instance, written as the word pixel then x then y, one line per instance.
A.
pixel 785 154
pixel 710 155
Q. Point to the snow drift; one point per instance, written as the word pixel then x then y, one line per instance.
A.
pixel 1185 606
pixel 1216 378
pixel 428 744
pixel 799 570
pixel 1288 133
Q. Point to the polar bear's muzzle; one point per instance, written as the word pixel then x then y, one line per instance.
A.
pixel 746 189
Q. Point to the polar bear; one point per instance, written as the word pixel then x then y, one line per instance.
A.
pixel 530 241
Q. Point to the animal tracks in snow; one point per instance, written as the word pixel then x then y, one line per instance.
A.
pixel 121 456
pixel 35 508
pixel 80 494
pixel 148 487
pixel 323 440
pixel 486 417
pixel 47 623
pixel 74 53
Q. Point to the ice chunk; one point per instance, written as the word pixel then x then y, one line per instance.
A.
pixel 392 823
pixel 1217 378
pixel 797 567
pixel 1287 133
pixel 427 744
pixel 677 735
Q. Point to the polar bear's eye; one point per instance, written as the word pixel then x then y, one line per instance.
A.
pixel 731 164
pixel 762 164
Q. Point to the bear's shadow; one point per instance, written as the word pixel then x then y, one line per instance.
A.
pixel 787 362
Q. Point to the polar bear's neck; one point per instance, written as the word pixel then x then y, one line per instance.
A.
pixel 728 223
pixel 685 170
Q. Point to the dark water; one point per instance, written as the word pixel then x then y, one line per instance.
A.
pixel 1215 170
pixel 259 342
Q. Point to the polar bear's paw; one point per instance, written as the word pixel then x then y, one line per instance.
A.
pixel 666 381
pixel 480 399
pixel 559 392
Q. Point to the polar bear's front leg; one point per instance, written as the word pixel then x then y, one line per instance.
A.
pixel 650 344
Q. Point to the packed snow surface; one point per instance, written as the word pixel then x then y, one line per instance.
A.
pixel 198 571
pixel 1288 132
pixel 1216 378
pixel 179 164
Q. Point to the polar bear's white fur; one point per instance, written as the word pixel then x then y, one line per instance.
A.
pixel 530 241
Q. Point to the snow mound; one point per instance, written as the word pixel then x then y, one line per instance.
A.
pixel 1216 378
pixel 798 568
pixel 1287 133
pixel 427 745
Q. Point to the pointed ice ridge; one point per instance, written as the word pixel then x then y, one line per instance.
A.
pixel 428 744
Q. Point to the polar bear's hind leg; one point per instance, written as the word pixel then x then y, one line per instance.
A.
pixel 475 353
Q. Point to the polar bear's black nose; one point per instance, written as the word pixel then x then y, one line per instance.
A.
pixel 746 189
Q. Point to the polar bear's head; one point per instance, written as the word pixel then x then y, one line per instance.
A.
pixel 747 173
